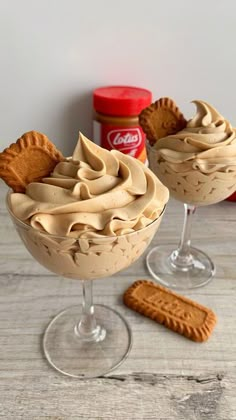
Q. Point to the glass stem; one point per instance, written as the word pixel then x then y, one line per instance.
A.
pixel 182 258
pixel 87 328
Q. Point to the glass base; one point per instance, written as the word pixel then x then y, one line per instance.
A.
pixel 198 272
pixel 78 358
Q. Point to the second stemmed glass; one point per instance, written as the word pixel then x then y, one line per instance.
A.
pixel 187 267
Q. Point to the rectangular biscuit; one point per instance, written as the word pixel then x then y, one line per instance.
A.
pixel 176 312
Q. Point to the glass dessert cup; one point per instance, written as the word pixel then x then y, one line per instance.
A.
pixel 86 341
pixel 187 267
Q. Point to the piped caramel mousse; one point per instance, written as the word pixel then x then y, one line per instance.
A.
pixel 94 215
pixel 198 163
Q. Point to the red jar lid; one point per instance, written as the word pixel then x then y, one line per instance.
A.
pixel 121 100
pixel 232 197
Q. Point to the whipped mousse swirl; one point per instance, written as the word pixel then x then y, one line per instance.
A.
pixel 94 193
pixel 208 143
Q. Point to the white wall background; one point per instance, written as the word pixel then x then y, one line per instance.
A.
pixel 54 53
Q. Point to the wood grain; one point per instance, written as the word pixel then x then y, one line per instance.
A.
pixel 165 376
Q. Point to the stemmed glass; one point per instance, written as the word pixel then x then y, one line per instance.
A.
pixel 210 182
pixel 86 341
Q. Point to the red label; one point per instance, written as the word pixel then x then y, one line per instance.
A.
pixel 127 140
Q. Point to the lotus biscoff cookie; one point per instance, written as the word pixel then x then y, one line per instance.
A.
pixel 174 311
pixel 161 119
pixel 30 159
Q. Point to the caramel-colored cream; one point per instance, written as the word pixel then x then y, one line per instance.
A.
pixel 103 208
pixel 198 164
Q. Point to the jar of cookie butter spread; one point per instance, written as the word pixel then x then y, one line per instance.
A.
pixel 116 124
pixel 232 197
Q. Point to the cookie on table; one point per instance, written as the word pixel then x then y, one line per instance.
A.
pixel 170 309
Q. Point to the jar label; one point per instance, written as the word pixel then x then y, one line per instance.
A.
pixel 129 140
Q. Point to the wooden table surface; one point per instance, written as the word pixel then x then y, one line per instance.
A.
pixel 166 376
